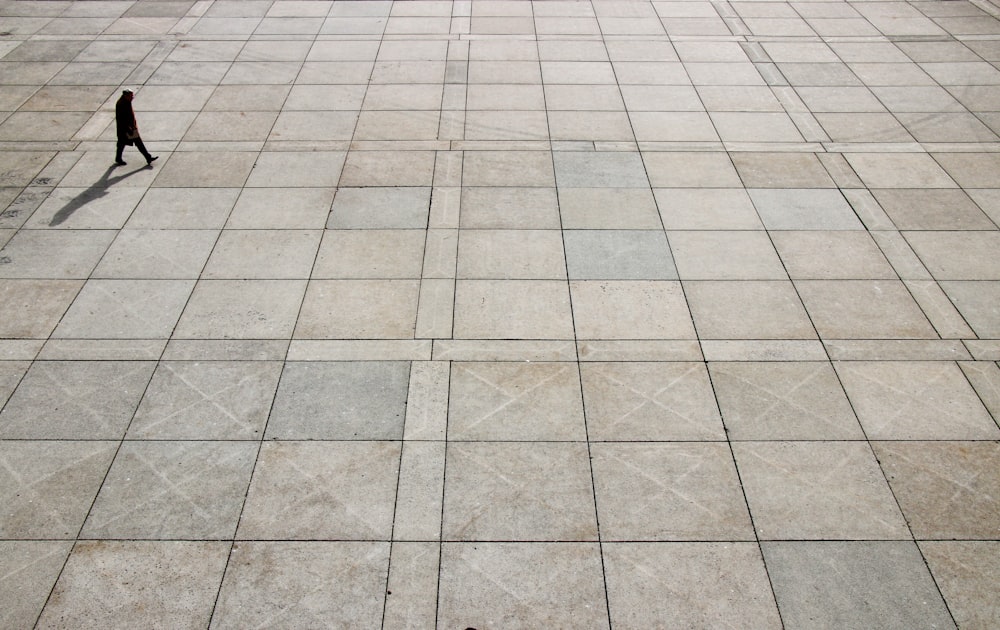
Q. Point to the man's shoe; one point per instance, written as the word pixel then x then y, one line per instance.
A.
pixel 121 162
pixel 152 159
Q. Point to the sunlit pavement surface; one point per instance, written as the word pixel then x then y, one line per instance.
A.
pixel 500 314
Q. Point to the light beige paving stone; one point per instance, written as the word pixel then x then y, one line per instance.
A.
pixel 531 584
pixel 510 254
pixel 515 401
pixel 313 582
pixel 830 255
pixel 630 310
pixel 296 169
pixel 958 255
pixel 817 491
pixel 725 255
pixel 358 309
pixel 119 584
pixel 965 571
pixel 62 254
pixel 421 490
pixel 697 584
pixel 33 308
pixel 370 254
pixel 783 401
pixel 747 310
pixel 947 490
pixel 218 170
pixel 899 170
pixel 322 491
pixel 690 170
pixel 382 168
pixel 686 489
pixel 157 254
pixel 241 309
pixel 649 401
pixel 608 208
pixel 781 170
pixel 482 309
pixel 915 401
pixel 508 168
pixel 864 309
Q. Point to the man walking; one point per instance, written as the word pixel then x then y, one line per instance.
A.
pixel 128 130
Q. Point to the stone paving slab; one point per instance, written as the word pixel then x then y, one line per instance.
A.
pixel 500 314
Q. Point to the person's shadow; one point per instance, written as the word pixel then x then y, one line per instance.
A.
pixel 98 190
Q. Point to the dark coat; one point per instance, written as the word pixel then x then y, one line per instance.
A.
pixel 125 119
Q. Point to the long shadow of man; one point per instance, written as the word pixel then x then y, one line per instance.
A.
pixel 98 190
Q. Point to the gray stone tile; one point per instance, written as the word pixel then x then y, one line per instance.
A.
pixel 214 400
pixel 340 401
pixel 947 490
pixel 817 491
pixel 706 209
pixel 668 491
pixel 515 401
pixel 783 401
pixel 281 208
pixel 618 255
pixel 964 571
pixel 883 584
pixel 166 490
pixel 213 170
pixel 263 254
pixel 606 209
pixel 125 309
pixel 899 170
pixel 915 401
pixel 521 584
pixel 296 169
pixel 183 209
pixel 75 400
pixel 312 583
pixel 53 254
pixel 781 170
pixel 241 309
pixel 505 491
pixel 692 584
pixel 29 570
pixel 157 254
pixel 48 486
pixel 322 491
pixel 123 584
pixel 380 208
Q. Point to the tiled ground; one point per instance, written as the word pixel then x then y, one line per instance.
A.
pixel 497 314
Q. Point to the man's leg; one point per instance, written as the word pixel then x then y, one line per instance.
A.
pixel 142 149
pixel 118 153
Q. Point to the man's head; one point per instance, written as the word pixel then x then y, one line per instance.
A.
pixel 128 94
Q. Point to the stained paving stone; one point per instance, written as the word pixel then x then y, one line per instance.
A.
pixel 500 314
